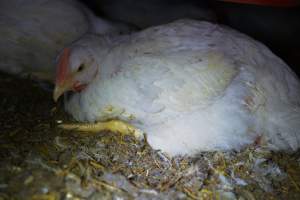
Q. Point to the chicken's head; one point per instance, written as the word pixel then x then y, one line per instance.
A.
pixel 75 70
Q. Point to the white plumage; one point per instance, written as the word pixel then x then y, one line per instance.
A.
pixel 191 86
pixel 34 31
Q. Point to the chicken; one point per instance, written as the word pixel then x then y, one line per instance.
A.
pixel 189 85
pixel 33 32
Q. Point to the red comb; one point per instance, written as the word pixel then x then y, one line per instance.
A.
pixel 63 66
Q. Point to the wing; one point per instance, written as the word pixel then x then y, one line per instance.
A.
pixel 180 82
pixel 195 79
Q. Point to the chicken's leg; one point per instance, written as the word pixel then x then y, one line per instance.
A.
pixel 113 126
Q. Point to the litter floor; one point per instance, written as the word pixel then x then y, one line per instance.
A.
pixel 42 162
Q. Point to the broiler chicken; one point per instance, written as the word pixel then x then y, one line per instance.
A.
pixel 34 32
pixel 189 85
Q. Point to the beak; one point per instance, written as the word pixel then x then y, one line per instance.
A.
pixel 60 89
pixel 63 79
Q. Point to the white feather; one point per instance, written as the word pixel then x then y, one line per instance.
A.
pixel 33 32
pixel 193 86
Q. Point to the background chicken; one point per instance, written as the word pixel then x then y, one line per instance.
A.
pixel 189 85
pixel 33 32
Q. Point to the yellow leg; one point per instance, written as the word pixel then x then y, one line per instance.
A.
pixel 113 126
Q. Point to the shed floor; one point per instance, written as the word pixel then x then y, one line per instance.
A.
pixel 40 161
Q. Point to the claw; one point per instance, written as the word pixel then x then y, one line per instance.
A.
pixel 113 126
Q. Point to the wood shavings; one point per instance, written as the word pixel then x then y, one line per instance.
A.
pixel 43 162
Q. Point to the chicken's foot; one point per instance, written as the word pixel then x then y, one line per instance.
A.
pixel 113 126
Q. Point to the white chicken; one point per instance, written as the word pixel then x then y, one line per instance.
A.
pixel 34 31
pixel 189 85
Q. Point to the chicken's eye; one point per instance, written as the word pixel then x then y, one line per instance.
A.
pixel 80 68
